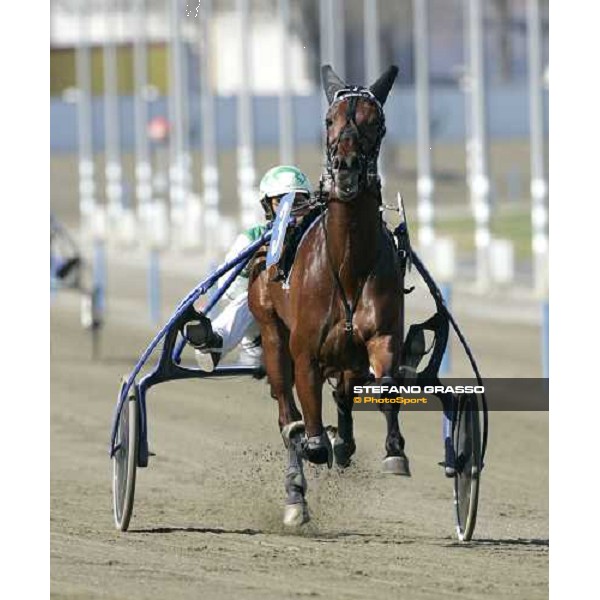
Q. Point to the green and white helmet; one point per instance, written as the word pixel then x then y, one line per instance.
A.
pixel 283 179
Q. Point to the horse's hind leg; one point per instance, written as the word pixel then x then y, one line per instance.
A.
pixel 395 461
pixel 344 445
pixel 383 361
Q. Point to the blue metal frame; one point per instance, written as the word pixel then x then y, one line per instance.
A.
pixel 168 368
pixel 448 400
pixel 212 301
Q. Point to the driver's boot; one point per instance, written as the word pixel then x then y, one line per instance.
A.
pixel 207 344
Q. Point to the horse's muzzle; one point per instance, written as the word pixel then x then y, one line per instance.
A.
pixel 346 175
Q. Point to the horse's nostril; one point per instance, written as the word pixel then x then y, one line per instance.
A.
pixel 346 163
pixel 351 162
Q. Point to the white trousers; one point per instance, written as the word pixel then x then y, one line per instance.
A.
pixel 235 324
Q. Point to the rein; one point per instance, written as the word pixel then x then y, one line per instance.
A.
pixel 349 308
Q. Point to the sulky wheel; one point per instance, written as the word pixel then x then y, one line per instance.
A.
pixel 467 446
pixel 125 459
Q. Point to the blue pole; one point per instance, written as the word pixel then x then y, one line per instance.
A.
pixel 546 339
pixel 154 286
pixel 447 420
pixel 53 282
pixel 445 366
pixel 99 270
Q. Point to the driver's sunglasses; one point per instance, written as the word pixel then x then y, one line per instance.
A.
pixel 301 194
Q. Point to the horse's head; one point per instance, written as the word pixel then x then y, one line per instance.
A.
pixel 355 127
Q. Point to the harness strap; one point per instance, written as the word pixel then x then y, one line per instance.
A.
pixel 349 308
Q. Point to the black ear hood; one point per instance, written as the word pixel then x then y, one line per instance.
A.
pixel 331 82
pixel 381 88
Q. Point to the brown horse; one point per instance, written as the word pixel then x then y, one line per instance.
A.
pixel 342 316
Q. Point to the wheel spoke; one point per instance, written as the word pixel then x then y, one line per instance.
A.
pixel 124 461
pixel 466 483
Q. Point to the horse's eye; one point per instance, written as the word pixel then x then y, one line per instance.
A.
pixel 328 122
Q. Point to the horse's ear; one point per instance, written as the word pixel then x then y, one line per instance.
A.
pixel 331 82
pixel 381 88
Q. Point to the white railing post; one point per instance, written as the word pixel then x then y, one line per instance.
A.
pixel 373 58
pixel 210 165
pixel 425 182
pixel 112 120
pixel 180 158
pixel 539 186
pixel 245 122
pixel 477 145
pixel 286 119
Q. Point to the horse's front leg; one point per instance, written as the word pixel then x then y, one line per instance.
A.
pixel 344 445
pixel 278 365
pixel 296 508
pixel 383 358
pixel 309 385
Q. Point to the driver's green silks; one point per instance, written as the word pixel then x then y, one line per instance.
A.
pixel 255 232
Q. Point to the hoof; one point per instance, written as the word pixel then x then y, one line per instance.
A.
pixel 295 515
pixel 396 465
pixel 449 469
pixel 343 451
pixel 317 449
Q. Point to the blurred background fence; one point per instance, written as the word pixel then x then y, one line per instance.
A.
pixel 508 119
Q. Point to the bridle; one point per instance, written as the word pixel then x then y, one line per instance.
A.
pixel 367 156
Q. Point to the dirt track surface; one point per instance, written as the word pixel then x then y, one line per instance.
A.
pixel 207 517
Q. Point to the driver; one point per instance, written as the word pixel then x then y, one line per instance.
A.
pixel 235 324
